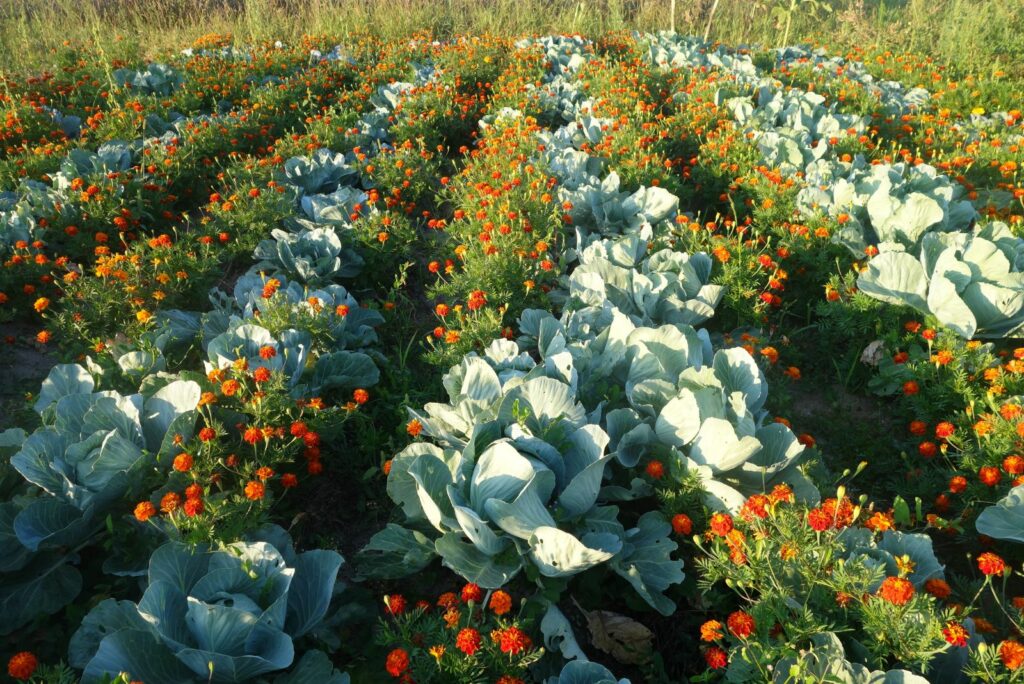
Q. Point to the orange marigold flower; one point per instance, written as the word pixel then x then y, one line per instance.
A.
pixel 361 396
pixel 397 662
pixel 254 490
pixel 938 588
pixel 22 665
pixel 681 524
pixel 448 600
pixel 193 507
pixel 395 604
pixel 289 480
pixel 170 502
pixel 944 430
pixel 514 641
pixel 183 462
pixel 989 475
pixel 991 564
pixel 955 634
pixel 1012 654
pixel 655 469
pixel 472 592
pixel 896 590
pixel 501 602
pixel 468 640
pixel 711 631
pixel 414 427
pixel 144 511
pixel 741 624
pixel 252 435
pixel 716 658
pixel 264 473
pixel 782 493
pixel 720 524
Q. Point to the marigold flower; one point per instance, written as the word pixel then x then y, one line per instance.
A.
pixel 755 507
pixel 193 507
pixel 22 665
pixel 957 484
pixel 917 427
pixel 472 592
pixel 144 511
pixel 741 624
pixel 395 604
pixel 514 641
pixel 252 435
pixel 716 658
pixel 910 388
pixel 170 502
pixel 468 640
pixel 991 564
pixel 1013 464
pixel 720 524
pixel 501 602
pixel 896 590
pixel 254 490
pixel 681 524
pixel 655 469
pixel 1012 654
pixel 194 491
pixel 944 430
pixel 264 473
pixel 41 304
pixel 414 427
pixel 437 651
pixel 955 634
pixel 938 588
pixel 711 631
pixel 361 396
pixel 182 463
pixel 207 434
pixel 261 374
pixel 397 662
pixel 989 475
pixel 289 480
pixel 447 600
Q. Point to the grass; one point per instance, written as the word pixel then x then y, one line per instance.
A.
pixel 971 36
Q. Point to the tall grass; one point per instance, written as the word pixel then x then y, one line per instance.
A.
pixel 969 35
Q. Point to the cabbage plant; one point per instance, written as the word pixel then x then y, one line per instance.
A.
pixel 971 282
pixel 604 210
pixel 1005 518
pixel 210 614
pixel 881 203
pixel 663 393
pixel 313 256
pixel 664 287
pixel 322 172
pixel 825 660
pixel 513 483
pixel 155 79
pixel 90 448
